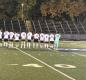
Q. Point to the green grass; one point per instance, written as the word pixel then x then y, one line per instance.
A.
pixel 20 72
pixel 73 44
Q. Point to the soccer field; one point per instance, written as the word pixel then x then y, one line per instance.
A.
pixel 42 64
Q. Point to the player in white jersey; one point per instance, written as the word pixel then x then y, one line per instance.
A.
pixel 36 40
pixel 23 39
pixel 52 40
pixel 41 40
pixel 16 39
pixel 11 36
pixel 46 40
pixel 6 37
pixel 0 38
pixel 29 39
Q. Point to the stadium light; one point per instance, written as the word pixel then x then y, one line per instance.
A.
pixel 22 10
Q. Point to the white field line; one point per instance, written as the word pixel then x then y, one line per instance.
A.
pixel 79 54
pixel 71 78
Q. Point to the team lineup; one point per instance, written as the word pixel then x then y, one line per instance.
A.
pixel 28 40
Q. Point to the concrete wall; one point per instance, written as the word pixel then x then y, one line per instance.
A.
pixel 73 36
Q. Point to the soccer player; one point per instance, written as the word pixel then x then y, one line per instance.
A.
pixel 29 39
pixel 56 42
pixel 0 38
pixel 16 39
pixel 23 39
pixel 6 37
pixel 11 36
pixel 41 40
pixel 36 40
pixel 46 40
pixel 51 40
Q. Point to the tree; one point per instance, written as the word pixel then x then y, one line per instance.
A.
pixel 8 8
pixel 11 8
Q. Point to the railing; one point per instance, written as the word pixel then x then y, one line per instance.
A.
pixel 40 26
pixel 82 27
pixel 46 26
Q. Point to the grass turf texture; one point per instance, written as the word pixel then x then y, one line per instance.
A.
pixel 20 72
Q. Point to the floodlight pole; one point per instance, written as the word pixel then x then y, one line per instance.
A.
pixel 22 11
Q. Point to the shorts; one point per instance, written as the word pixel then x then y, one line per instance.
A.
pixel 52 42
pixel 23 40
pixel 29 40
pixel 41 41
pixel 5 40
pixel 16 40
pixel 11 40
pixel 35 40
pixel 46 42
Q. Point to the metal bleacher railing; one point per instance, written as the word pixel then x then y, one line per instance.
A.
pixel 62 27
pixel 45 26
pixel 12 25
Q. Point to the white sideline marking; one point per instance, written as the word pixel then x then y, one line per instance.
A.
pixel 79 54
pixel 32 65
pixel 64 66
pixel 71 78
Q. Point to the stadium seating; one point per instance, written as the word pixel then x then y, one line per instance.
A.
pixel 45 26
pixel 8 25
pixel 12 25
pixel 63 27
pixel 2 25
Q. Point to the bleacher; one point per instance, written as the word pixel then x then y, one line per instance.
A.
pixel 62 27
pixel 45 26
pixel 12 25
pixel 68 29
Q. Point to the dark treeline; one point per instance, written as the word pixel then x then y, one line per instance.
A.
pixel 42 8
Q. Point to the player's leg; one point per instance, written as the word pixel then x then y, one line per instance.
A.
pixel 0 42
pixel 51 44
pixel 37 43
pixel 17 43
pixel 12 43
pixel 24 43
pixel 56 44
pixel 47 44
pixel 29 43
pixel 21 43
pixel 3 42
pixel 41 44
pixel 34 43
pixel 6 43
pixel 9 44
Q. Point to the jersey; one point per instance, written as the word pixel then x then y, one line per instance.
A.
pixel 0 35
pixel 29 35
pixel 42 37
pixel 46 37
pixel 57 37
pixel 6 35
pixel 16 36
pixel 23 35
pixel 11 35
pixel 36 36
pixel 51 37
